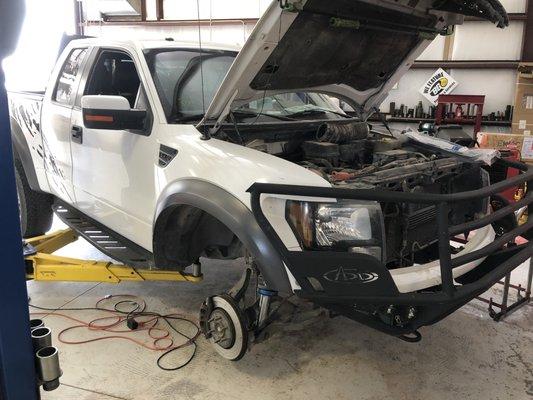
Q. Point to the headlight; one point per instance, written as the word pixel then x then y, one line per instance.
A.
pixel 343 226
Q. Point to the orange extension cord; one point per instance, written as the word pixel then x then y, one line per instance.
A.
pixel 136 320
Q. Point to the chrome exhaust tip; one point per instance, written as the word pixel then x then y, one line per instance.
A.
pixel 36 323
pixel 48 368
pixel 41 337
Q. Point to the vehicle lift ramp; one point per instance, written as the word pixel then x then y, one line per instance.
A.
pixel 43 265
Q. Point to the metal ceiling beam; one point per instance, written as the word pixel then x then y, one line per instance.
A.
pixel 512 17
pixel 175 22
pixel 459 64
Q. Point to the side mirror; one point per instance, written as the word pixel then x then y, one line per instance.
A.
pixel 110 112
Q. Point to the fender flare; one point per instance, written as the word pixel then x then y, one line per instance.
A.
pixel 230 211
pixel 21 152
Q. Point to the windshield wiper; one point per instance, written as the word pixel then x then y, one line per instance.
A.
pixel 251 114
pixel 316 111
pixel 246 113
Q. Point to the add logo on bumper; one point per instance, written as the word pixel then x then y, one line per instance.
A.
pixel 350 275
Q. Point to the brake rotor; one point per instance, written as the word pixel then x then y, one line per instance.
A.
pixel 221 328
pixel 225 327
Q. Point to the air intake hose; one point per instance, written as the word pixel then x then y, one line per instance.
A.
pixel 342 132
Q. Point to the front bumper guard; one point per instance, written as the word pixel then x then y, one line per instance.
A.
pixel 367 284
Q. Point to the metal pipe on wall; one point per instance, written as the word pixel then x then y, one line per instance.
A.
pixel 78 17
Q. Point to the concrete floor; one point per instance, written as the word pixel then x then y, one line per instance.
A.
pixel 466 356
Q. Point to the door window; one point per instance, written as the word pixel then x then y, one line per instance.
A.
pixel 114 74
pixel 65 91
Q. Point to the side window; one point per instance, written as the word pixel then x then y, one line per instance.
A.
pixel 114 74
pixel 65 90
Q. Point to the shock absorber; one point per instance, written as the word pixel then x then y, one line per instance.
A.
pixel 265 298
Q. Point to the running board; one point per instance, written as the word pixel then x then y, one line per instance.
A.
pixel 108 242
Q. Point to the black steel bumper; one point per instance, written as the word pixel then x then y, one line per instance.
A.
pixel 375 286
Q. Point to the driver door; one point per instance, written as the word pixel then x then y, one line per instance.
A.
pixel 113 169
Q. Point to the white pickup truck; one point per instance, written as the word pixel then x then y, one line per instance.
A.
pixel 160 153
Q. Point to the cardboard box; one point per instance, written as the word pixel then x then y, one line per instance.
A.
pixel 501 141
pixel 523 109
pixel 527 149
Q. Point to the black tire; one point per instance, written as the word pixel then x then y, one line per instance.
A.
pixel 35 208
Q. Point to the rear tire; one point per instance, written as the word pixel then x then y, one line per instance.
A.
pixel 35 208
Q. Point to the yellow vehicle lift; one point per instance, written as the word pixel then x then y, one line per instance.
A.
pixel 42 265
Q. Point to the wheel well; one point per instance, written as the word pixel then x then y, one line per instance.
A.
pixel 235 220
pixel 183 233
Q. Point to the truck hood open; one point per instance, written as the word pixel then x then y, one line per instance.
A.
pixel 355 50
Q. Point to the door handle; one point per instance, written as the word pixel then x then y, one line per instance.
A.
pixel 77 134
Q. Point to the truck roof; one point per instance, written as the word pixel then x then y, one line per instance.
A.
pixel 152 44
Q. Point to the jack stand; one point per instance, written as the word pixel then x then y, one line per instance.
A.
pixel 42 265
pixel 197 269
pixel 504 307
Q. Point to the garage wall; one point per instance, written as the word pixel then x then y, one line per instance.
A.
pixel 234 32
pixel 475 40
pixel 479 40
pixel 229 33
pixel 497 85
pixel 216 9
pixel 472 41
pixel 514 6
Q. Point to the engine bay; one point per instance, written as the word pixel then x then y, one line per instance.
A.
pixel 350 154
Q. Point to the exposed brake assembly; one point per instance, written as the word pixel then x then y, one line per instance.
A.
pixel 235 320
pixel 230 324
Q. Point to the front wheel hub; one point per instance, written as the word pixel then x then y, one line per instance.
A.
pixel 221 328
pixel 224 324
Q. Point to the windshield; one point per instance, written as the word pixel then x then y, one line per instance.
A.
pixel 293 104
pixel 178 78
pixel 187 80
